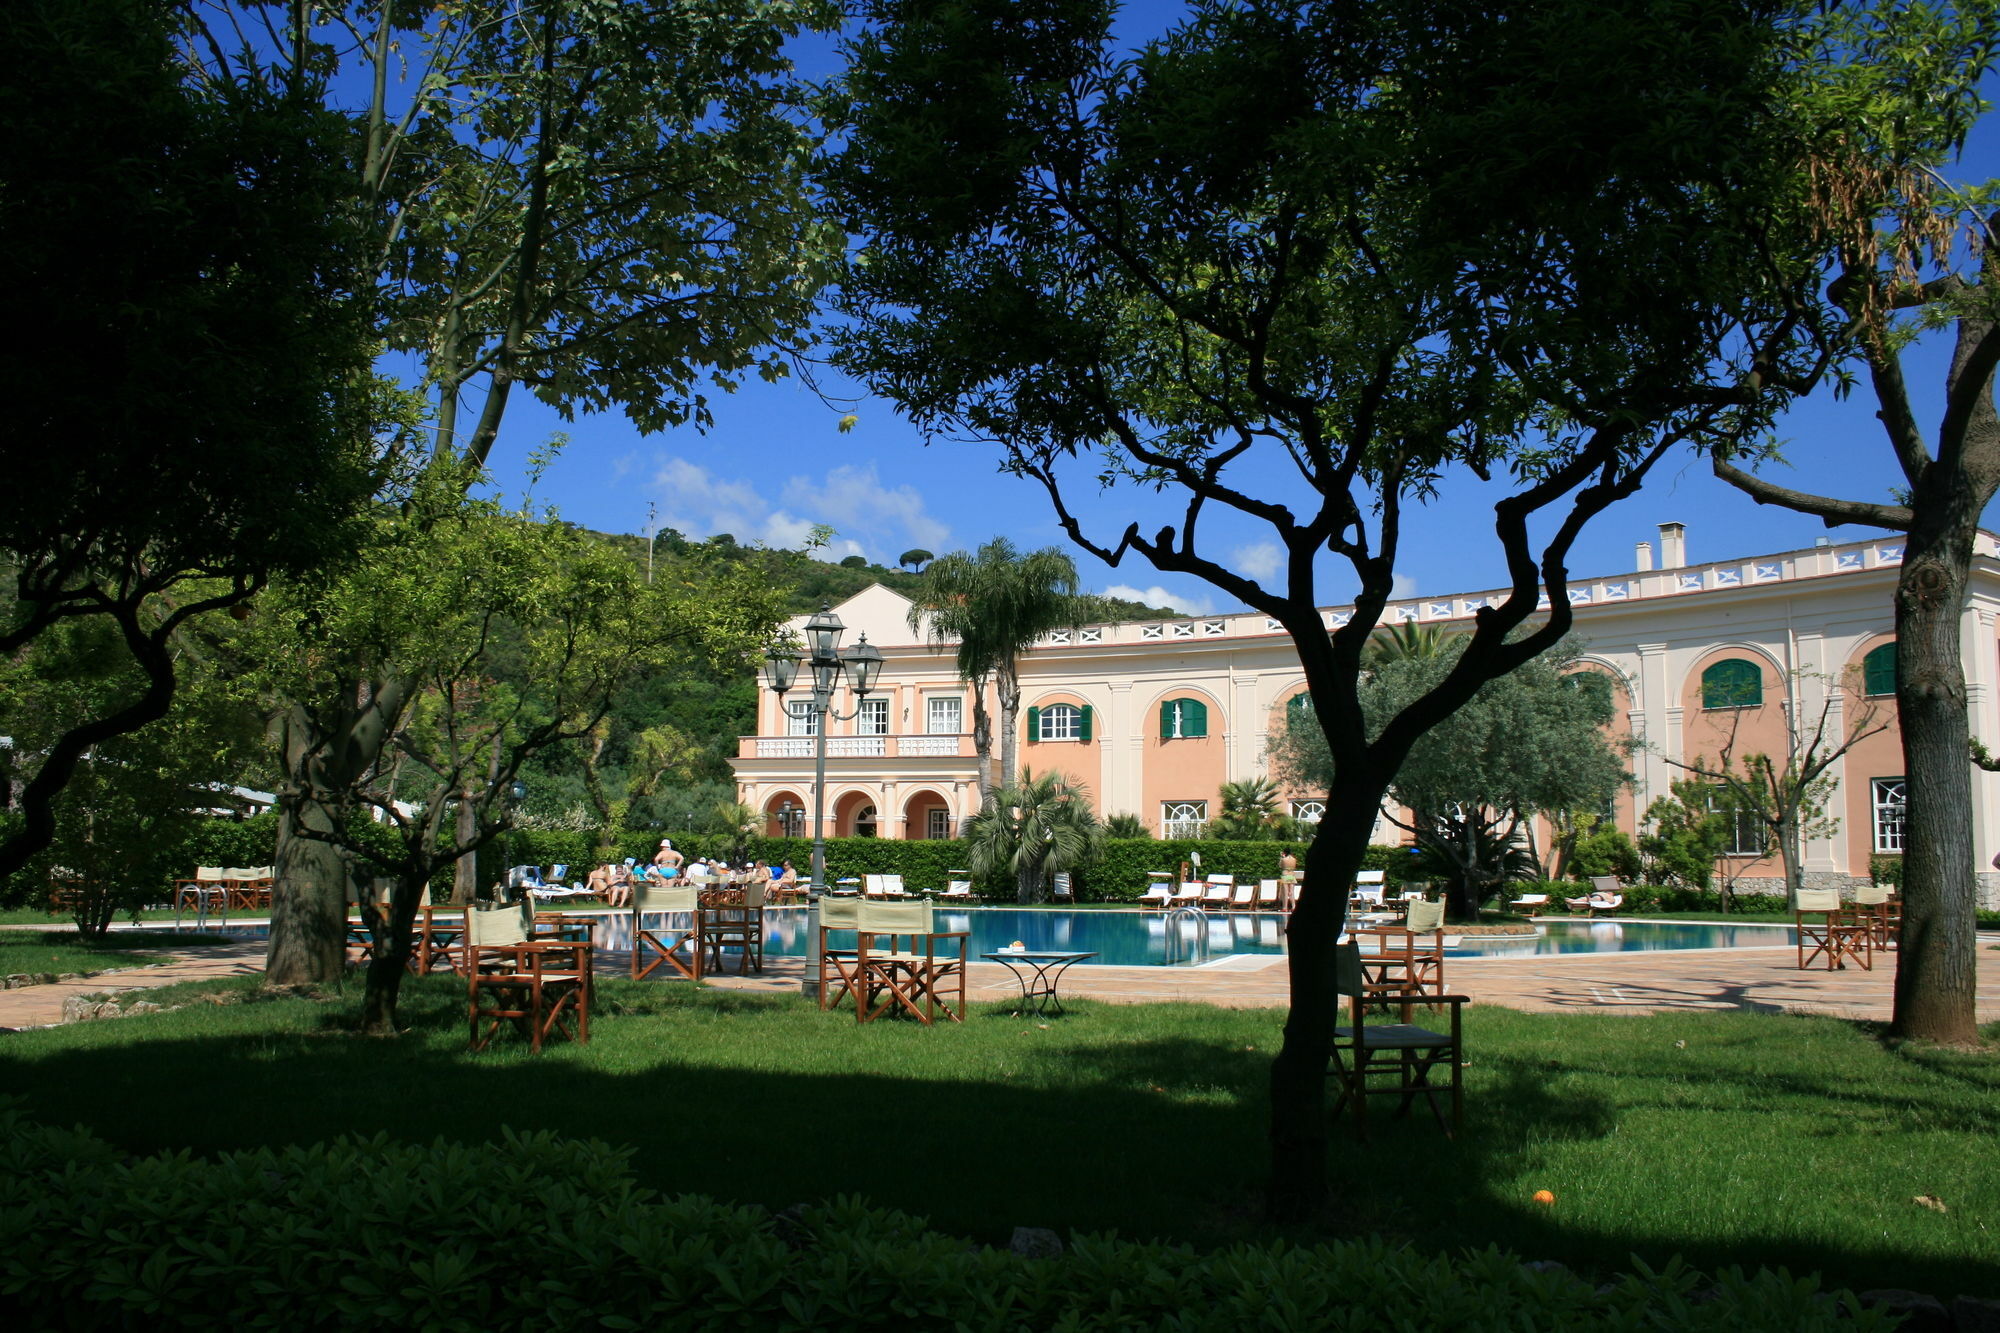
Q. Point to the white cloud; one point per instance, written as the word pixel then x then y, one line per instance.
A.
pixel 1403 585
pixel 887 519
pixel 872 520
pixel 1158 596
pixel 1259 561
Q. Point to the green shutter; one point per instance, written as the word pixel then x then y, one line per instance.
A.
pixel 1733 683
pixel 1878 671
pixel 1034 725
pixel 1194 718
pixel 1083 723
pixel 1167 720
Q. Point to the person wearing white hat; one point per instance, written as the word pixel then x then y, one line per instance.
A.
pixel 668 859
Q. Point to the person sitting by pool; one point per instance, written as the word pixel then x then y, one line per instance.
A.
pixel 786 878
pixel 760 872
pixel 667 861
pixel 613 883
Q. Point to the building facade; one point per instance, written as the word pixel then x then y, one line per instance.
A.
pixel 1154 716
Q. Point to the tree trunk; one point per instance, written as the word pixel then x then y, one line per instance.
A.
pixel 465 875
pixel 1028 885
pixel 309 898
pixel 1010 726
pixel 1937 960
pixel 391 932
pixel 1298 1187
pixel 1790 856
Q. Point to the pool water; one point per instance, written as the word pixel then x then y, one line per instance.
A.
pixel 1145 939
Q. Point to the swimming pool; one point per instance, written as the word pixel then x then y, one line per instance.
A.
pixel 1144 939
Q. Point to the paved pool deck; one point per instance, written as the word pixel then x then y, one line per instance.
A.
pixel 1660 981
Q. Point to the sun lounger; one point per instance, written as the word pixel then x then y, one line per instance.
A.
pixel 1216 897
pixel 1270 894
pixel 1189 894
pixel 957 890
pixel 1530 903
pixel 1245 897
pixel 1156 896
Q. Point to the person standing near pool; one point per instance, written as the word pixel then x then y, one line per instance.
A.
pixel 667 859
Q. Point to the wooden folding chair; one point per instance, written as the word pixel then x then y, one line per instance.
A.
pixel 841 914
pixel 1826 929
pixel 1875 904
pixel 917 983
pixel 1400 1060
pixel 666 940
pixel 542 987
pixel 735 925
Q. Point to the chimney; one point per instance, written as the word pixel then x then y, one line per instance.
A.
pixel 1673 545
pixel 1645 555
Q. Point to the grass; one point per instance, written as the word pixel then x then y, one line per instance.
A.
pixel 64 951
pixel 1735 1138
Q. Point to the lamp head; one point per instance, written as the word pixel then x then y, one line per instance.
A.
pixel 823 633
pixel 864 664
pixel 781 667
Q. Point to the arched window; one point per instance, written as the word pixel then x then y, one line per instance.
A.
pixel 1183 719
pixel 1059 722
pixel 1734 683
pixel 1878 671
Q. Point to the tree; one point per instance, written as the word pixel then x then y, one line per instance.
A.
pixel 1689 831
pixel 186 417
pixel 1891 264
pixel 1786 793
pixel 602 205
pixel 993 605
pixel 459 589
pixel 914 559
pixel 1305 266
pixel 1532 742
pixel 1033 829
pixel 122 825
pixel 1249 813
pixel 1126 826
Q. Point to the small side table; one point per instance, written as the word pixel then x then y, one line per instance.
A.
pixel 1044 971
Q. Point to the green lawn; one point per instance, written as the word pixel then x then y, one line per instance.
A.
pixel 63 951
pixel 1749 1139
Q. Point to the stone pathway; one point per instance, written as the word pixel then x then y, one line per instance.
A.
pixel 1622 983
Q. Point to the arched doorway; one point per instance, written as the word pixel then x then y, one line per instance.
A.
pixel 927 815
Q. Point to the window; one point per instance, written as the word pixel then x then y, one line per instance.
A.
pixel 1734 683
pixel 874 719
pixel 944 715
pixel 1183 719
pixel 1308 813
pixel 1747 833
pixel 804 721
pixel 937 823
pixel 1183 819
pixel 1878 671
pixel 1059 722
pixel 1890 799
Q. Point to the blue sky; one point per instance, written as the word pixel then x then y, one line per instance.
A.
pixel 775 463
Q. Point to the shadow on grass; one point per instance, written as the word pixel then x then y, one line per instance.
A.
pixel 1147 1121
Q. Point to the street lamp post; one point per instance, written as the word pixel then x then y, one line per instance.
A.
pixel 862 664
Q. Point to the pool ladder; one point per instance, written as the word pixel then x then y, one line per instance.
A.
pixel 1198 952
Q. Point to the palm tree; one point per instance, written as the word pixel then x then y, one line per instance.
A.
pixel 993 606
pixel 1032 830
pixel 1249 812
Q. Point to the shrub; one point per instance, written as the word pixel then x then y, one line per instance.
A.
pixel 1886 870
pixel 375 1233
pixel 1605 852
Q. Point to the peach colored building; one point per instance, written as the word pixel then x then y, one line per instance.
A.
pixel 1154 716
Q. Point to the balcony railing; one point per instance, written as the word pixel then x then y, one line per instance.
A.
pixel 856 747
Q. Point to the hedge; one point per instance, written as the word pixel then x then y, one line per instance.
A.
pixel 538 1232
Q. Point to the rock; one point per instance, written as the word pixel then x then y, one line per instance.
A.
pixel 83 1008
pixel 1972 1315
pixel 1921 1312
pixel 1036 1243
